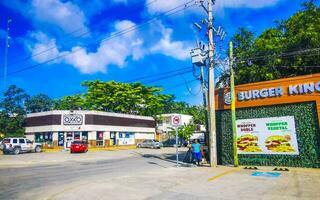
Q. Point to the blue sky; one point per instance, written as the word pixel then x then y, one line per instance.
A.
pixel 70 33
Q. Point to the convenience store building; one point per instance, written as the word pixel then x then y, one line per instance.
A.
pixel 58 128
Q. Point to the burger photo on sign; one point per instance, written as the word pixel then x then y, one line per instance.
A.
pixel 248 143
pixel 278 143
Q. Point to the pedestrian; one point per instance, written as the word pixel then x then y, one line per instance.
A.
pixel 196 150
pixel 189 157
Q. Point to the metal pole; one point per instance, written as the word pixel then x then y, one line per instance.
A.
pixel 233 107
pixel 177 156
pixel 211 106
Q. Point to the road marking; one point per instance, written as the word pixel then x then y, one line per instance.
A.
pixel 222 174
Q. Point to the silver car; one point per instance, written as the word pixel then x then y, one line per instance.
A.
pixel 153 144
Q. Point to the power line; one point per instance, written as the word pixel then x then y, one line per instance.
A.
pixel 117 34
pixel 73 39
pixel 284 54
pixel 162 73
pixel 188 88
pixel 169 76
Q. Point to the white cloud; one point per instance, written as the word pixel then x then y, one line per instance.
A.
pixel 115 51
pixel 66 15
pixel 167 46
pixel 165 5
pixel 44 48
pixel 246 3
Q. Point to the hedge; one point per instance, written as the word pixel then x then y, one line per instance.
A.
pixel 307 130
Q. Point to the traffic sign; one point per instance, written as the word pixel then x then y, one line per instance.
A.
pixel 176 120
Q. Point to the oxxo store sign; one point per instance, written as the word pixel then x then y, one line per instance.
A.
pixel 72 119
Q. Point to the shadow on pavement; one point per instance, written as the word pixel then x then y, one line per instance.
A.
pixel 168 158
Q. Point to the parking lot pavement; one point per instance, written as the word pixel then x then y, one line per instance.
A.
pixel 195 183
pixel 148 174
pixel 65 156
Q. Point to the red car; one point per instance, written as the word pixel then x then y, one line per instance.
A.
pixel 79 147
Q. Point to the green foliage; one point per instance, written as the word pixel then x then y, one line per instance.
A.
pixel 12 111
pixel 112 96
pixel 12 102
pixel 38 103
pixel 75 102
pixel 268 57
pixel 186 131
pixel 306 129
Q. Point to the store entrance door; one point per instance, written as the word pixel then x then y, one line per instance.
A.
pixel 61 139
pixel 113 138
pixel 69 139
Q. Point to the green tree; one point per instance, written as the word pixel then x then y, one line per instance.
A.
pixel 12 111
pixel 75 102
pixel 288 49
pixel 38 103
pixel 186 131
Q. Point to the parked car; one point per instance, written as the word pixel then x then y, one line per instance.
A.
pixel 153 144
pixel 79 146
pixel 171 143
pixel 19 145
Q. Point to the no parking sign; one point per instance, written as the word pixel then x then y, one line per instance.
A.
pixel 176 120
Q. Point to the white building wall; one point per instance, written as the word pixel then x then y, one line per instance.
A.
pixel 144 136
pixel 106 135
pixel 31 137
pixel 65 128
pixel 92 135
pixel 55 136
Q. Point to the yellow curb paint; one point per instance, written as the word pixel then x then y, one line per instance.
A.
pixel 222 174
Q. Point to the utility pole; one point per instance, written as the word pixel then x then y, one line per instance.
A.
pixel 6 54
pixel 233 107
pixel 205 100
pixel 211 95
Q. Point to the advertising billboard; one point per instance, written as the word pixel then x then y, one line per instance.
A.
pixel 275 135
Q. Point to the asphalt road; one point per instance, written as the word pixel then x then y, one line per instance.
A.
pixel 48 181
pixel 143 174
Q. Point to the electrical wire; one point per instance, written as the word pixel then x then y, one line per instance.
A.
pixel 188 88
pixel 284 54
pixel 117 34
pixel 169 76
pixel 150 76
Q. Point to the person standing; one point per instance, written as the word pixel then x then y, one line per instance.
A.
pixel 196 150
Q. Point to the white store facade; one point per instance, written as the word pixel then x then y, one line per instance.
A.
pixel 58 128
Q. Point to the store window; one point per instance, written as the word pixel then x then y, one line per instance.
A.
pixel 99 141
pixel 126 138
pixel 77 135
pixel 85 136
pixel 44 138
